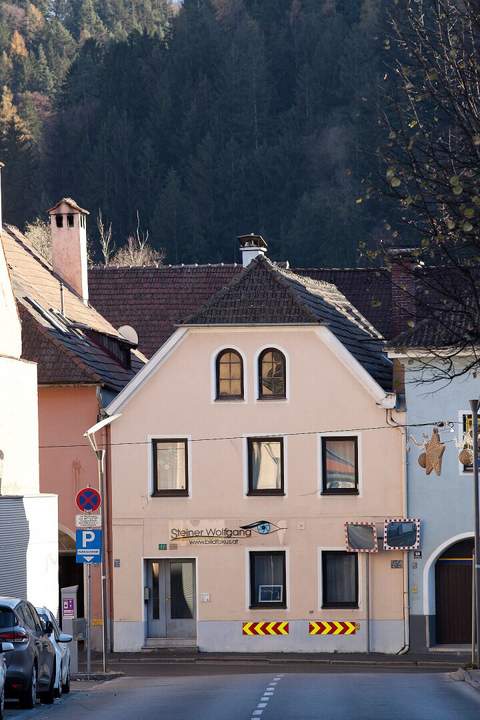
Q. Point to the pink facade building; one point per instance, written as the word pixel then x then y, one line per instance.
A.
pixel 261 426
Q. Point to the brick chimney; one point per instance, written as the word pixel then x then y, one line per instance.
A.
pixel 69 245
pixel 402 272
pixel 251 246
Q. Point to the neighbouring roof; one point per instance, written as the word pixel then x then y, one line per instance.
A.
pixel 451 328
pixel 446 311
pixel 156 299
pixel 71 203
pixel 71 342
pixel 267 294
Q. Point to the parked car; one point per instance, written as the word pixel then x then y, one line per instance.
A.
pixel 60 642
pixel 4 647
pixel 31 666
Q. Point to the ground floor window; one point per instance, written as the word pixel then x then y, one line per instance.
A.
pixel 267 579
pixel 339 579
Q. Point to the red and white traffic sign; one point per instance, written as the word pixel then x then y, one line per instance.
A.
pixel 88 500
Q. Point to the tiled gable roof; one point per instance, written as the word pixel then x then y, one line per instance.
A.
pixel 266 294
pixel 155 300
pixel 257 296
pixel 368 289
pixel 56 365
pixel 55 322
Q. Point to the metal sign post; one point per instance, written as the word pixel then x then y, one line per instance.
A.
pixel 89 622
pixel 367 600
pixel 104 566
pixel 89 545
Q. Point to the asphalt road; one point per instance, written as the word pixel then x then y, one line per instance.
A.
pixel 267 696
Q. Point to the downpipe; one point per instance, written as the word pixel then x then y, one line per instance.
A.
pixel 406 604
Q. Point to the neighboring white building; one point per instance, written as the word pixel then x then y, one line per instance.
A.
pixel 28 519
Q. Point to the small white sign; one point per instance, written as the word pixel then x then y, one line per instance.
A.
pixel 88 521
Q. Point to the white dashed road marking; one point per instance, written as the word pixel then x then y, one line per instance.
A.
pixel 266 695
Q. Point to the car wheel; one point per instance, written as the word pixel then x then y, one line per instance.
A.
pixel 66 685
pixel 48 697
pixel 2 704
pixel 28 698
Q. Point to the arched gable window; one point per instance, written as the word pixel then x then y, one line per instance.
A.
pixel 229 373
pixel 271 374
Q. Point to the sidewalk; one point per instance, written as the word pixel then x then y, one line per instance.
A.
pixel 132 663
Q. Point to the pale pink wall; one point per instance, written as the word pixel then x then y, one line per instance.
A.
pixel 177 401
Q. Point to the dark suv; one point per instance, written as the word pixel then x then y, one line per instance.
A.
pixel 31 665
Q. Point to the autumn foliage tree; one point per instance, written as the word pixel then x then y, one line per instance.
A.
pixel 432 166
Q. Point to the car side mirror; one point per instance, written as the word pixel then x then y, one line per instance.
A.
pixel 65 638
pixel 6 647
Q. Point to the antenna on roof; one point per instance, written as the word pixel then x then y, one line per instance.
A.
pixel 129 333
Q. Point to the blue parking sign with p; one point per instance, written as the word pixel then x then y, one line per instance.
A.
pixel 89 546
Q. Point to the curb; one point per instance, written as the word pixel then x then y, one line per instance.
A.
pixel 280 661
pixel 97 676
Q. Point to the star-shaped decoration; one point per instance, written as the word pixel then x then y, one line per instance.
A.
pixel 434 450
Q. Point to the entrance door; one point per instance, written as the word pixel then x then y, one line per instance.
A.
pixel 453 593
pixel 171 602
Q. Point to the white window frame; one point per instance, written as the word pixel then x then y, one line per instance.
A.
pixel 344 433
pixel 151 477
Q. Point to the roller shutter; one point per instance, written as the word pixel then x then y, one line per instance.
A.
pixel 14 538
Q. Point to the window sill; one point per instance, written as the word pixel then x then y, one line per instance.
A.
pixel 170 493
pixel 266 493
pixel 340 606
pixel 280 398
pixel 278 606
pixel 229 399
pixel 340 492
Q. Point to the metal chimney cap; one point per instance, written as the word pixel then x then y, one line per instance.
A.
pixel 252 241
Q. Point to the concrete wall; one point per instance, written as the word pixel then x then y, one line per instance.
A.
pixel 178 401
pixel 42 555
pixel 18 427
pixel 445 503
pixel 10 335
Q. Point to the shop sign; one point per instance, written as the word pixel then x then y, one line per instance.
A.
pixel 217 532
pixel 209 535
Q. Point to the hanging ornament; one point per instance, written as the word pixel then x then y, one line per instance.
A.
pixel 434 450
pixel 422 458
pixel 466 452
